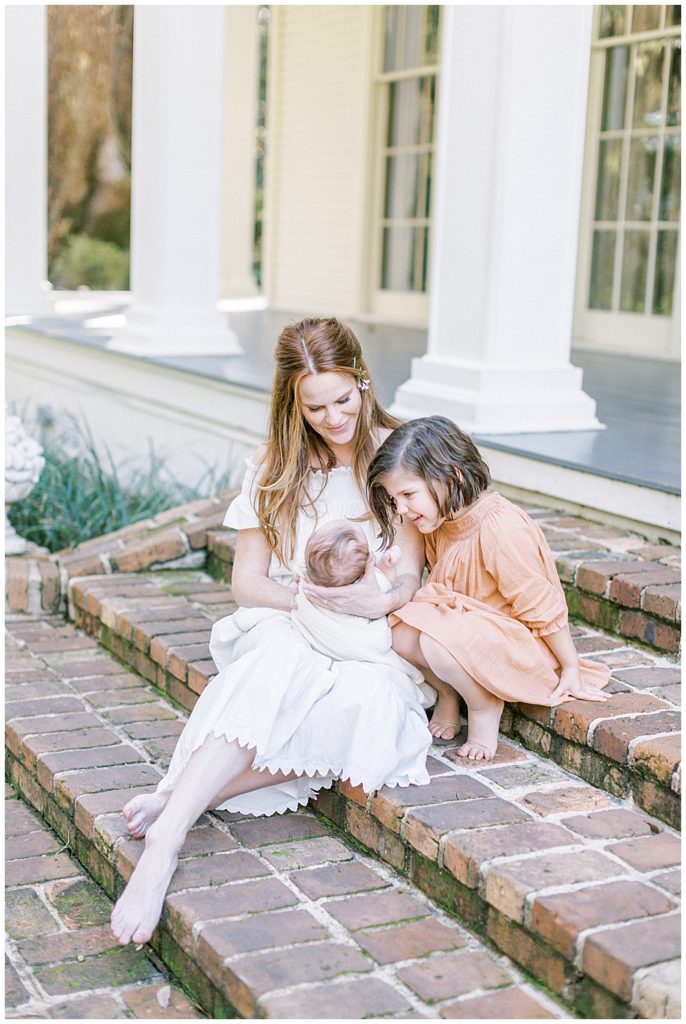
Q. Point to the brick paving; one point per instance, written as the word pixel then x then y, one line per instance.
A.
pixel 559 875
pixel 280 916
pixel 61 960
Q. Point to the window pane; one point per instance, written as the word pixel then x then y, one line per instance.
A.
pixel 428 89
pixel 404 113
pixel 634 272
pixel 612 20
pixel 639 198
pixel 402 182
pixel 673 14
pixel 645 17
pixel 647 112
pixel 431 34
pixel 397 270
pixel 427 169
pixel 423 284
pixel 392 17
pixel 600 292
pixel 671 178
pixel 674 94
pixel 413 42
pixel 607 189
pixel 664 272
pixel 614 94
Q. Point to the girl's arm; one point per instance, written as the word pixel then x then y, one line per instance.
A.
pixel 366 597
pixel 250 583
pixel 570 685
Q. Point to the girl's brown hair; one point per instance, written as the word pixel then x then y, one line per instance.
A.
pixel 433 449
pixel 293 448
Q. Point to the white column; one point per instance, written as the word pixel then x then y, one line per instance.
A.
pixel 26 160
pixel 511 120
pixel 240 118
pixel 178 82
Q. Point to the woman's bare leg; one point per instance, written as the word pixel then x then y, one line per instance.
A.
pixel 445 720
pixel 215 772
pixel 484 709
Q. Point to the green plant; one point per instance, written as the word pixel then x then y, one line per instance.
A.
pixel 90 262
pixel 83 493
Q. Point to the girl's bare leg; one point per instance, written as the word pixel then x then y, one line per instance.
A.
pixel 216 771
pixel 484 709
pixel 445 720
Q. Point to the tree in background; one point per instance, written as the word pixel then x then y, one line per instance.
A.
pixel 90 62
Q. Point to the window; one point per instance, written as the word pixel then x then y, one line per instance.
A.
pixel 406 92
pixel 630 242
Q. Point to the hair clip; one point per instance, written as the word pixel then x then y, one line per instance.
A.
pixel 363 384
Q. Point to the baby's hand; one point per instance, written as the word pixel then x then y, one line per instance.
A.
pixel 571 687
pixel 390 558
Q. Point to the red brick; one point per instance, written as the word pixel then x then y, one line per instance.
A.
pixel 216 942
pixel 16 730
pixel 91 684
pixel 616 823
pixel 278 829
pixel 51 591
pixel 39 869
pixel 150 730
pixel 613 738
pixel 508 885
pixel 196 531
pixel 559 919
pixel 542 962
pixel 626 589
pixel 60 644
pixel 161 547
pixel 612 957
pixel 669 880
pixel 337 880
pixel 92 667
pixel 145 1005
pixel 19 819
pixel 666 638
pixel 46 706
pixel 89 806
pixel 595 576
pixel 180 657
pixel 409 941
pixel 590 644
pixel 57 742
pixel 465 853
pixel 649 854
pixel 216 869
pixel 32 844
pixel 351 1000
pixel 623 658
pixel 375 909
pixel 572 798
pixel 453 975
pixel 426 825
pixel 390 803
pixel 663 601
pixel 140 713
pixel 505 754
pixel 107 970
pixel 573 718
pixel 124 697
pixel 658 757
pixel 68 945
pixel 69 788
pixel 184 910
pixel 99 757
pixel 161 645
pixel 199 674
pixel 654 675
pixel 26 915
pixel 35 691
pixel 507 1004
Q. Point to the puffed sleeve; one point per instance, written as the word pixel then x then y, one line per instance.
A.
pixel 241 514
pixel 516 554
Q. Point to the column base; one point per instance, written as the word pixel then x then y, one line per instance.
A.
pixel 497 400
pixel 148 333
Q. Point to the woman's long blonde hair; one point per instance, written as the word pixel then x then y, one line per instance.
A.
pixel 311 346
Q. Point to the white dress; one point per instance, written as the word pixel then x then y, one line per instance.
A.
pixel 299 709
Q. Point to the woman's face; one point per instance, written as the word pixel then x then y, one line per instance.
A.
pixel 331 404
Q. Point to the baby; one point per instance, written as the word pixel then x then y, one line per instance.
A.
pixel 336 555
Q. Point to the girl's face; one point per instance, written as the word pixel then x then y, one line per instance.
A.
pixel 331 404
pixel 413 498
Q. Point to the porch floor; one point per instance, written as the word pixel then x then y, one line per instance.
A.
pixel 637 399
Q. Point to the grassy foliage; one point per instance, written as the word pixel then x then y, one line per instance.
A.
pixel 99 265
pixel 83 493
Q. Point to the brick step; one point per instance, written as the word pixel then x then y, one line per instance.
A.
pixel 613 579
pixel 266 917
pixel 159 624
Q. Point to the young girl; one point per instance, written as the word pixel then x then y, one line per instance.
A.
pixel 491 621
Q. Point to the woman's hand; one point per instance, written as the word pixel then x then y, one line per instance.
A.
pixel 571 687
pixel 364 597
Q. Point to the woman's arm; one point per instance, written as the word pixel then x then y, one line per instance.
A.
pixel 250 583
pixel 570 685
pixel 366 597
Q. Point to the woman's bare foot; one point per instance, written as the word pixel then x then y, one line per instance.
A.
pixel 142 811
pixel 482 730
pixel 445 720
pixel 139 907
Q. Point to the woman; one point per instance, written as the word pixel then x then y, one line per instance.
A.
pixel 280 720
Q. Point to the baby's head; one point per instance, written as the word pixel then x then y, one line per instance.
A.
pixel 336 554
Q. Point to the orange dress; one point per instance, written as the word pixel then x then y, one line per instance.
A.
pixel 493 593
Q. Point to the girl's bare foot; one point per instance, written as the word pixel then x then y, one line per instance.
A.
pixel 142 811
pixel 482 730
pixel 139 907
pixel 445 720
